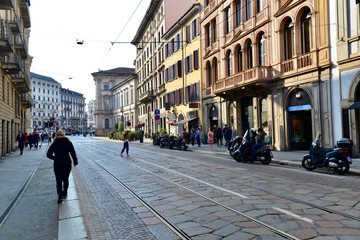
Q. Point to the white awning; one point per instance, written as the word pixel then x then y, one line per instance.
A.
pixel 184 121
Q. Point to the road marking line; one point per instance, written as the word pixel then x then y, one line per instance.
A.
pixel 293 215
pixel 198 180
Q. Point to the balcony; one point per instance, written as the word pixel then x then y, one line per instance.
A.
pixel 5 46
pixel 11 65
pixel 21 46
pixel 161 89
pixel 14 25
pixel 6 4
pixel 147 96
pixel 26 100
pixel 253 76
pixel 25 13
pixel 298 64
pixel 21 82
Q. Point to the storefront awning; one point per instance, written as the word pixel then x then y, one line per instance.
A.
pixel 355 105
pixel 184 121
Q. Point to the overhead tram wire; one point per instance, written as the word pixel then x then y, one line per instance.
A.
pixel 126 24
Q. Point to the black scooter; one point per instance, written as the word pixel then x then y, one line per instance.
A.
pixel 243 153
pixel 234 144
pixel 330 158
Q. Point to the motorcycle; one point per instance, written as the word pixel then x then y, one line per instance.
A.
pixel 180 143
pixel 330 158
pixel 168 141
pixel 234 144
pixel 243 153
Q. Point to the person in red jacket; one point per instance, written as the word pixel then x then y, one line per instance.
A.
pixel 60 151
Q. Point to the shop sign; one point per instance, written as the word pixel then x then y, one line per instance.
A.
pixel 299 108
pixel 193 105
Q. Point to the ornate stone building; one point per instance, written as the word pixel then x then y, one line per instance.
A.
pixel 105 81
pixel 149 63
pixel 15 99
pixel 73 116
pixel 46 96
pixel 267 64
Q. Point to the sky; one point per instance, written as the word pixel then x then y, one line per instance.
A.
pixel 56 26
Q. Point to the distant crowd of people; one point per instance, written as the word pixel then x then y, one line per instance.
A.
pixel 214 135
pixel 33 139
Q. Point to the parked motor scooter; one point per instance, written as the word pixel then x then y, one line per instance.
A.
pixel 167 141
pixel 330 158
pixel 180 143
pixel 243 153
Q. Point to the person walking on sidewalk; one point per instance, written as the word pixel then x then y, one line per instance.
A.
pixel 60 152
pixel 20 138
pixel 126 143
pixel 197 136
pixel 210 136
pixel 219 137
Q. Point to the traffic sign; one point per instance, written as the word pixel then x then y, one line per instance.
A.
pixel 157 111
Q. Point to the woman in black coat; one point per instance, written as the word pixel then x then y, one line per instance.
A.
pixel 60 151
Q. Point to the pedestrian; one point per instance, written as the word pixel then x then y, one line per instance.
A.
pixel 126 137
pixel 192 137
pixel 49 138
pixel 210 136
pixel 197 136
pixel 228 135
pixel 20 138
pixel 60 151
pixel 219 137
pixel 26 139
pixel 36 139
pixel 31 140
pixel 224 130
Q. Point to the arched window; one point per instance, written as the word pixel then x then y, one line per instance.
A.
pixel 215 69
pixel 239 65
pixel 288 39
pixel 262 50
pixel 107 123
pixel 306 31
pixel 249 55
pixel 229 62
pixel 208 74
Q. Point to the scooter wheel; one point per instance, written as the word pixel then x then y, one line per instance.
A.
pixel 237 157
pixel 343 167
pixel 266 161
pixel 307 164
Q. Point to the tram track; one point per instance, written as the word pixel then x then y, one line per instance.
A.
pixel 161 172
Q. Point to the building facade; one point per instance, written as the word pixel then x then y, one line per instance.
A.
pixel 104 108
pixel 267 64
pixel 90 114
pixel 345 82
pixel 72 116
pixel 182 66
pixel 46 95
pixel 15 98
pixel 124 102
pixel 149 63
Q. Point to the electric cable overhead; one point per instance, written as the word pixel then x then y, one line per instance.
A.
pixel 126 24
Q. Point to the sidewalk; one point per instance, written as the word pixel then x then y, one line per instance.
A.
pixel 27 182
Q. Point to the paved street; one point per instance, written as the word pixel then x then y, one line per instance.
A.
pixel 161 194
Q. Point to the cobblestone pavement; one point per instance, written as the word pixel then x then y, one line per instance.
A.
pixel 177 198
pixel 111 212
